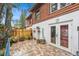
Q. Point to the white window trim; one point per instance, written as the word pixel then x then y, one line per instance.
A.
pixel 51 9
pixel 58 7
pixel 64 6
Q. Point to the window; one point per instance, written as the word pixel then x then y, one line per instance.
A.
pixel 57 6
pixel 37 15
pixel 53 7
pixel 64 4
pixel 53 34
pixel 33 15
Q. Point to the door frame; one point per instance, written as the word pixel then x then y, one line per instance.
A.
pixel 67 34
pixel 55 33
pixel 58 35
pixel 51 34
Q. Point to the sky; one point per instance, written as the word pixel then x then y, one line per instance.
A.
pixel 17 11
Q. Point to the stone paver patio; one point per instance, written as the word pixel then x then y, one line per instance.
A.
pixel 31 48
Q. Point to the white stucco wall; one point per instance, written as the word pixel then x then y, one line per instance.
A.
pixel 72 19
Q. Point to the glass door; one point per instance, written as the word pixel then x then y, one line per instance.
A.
pixel 64 35
pixel 53 34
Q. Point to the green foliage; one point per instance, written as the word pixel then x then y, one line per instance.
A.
pixel 11 41
pixel 1 26
pixel 22 38
pixel 7 9
pixel 1 11
pixel 1 31
pixel 3 44
pixel 22 19
pixel 1 53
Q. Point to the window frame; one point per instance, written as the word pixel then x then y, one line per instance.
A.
pixel 67 4
pixel 51 8
pixel 36 15
pixel 58 7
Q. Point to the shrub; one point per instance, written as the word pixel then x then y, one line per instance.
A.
pixel 11 41
pixel 3 44
pixel 21 38
pixel 14 39
pixel 1 53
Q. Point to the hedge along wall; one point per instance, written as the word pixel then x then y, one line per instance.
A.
pixel 21 32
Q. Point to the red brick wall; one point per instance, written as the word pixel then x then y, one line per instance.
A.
pixel 44 10
pixel 45 14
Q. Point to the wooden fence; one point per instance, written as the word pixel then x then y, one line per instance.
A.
pixel 21 32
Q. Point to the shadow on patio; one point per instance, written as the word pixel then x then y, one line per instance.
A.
pixel 32 48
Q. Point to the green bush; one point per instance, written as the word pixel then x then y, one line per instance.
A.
pixel 11 42
pixel 14 39
pixel 27 37
pixel 21 38
pixel 24 38
pixel 1 53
